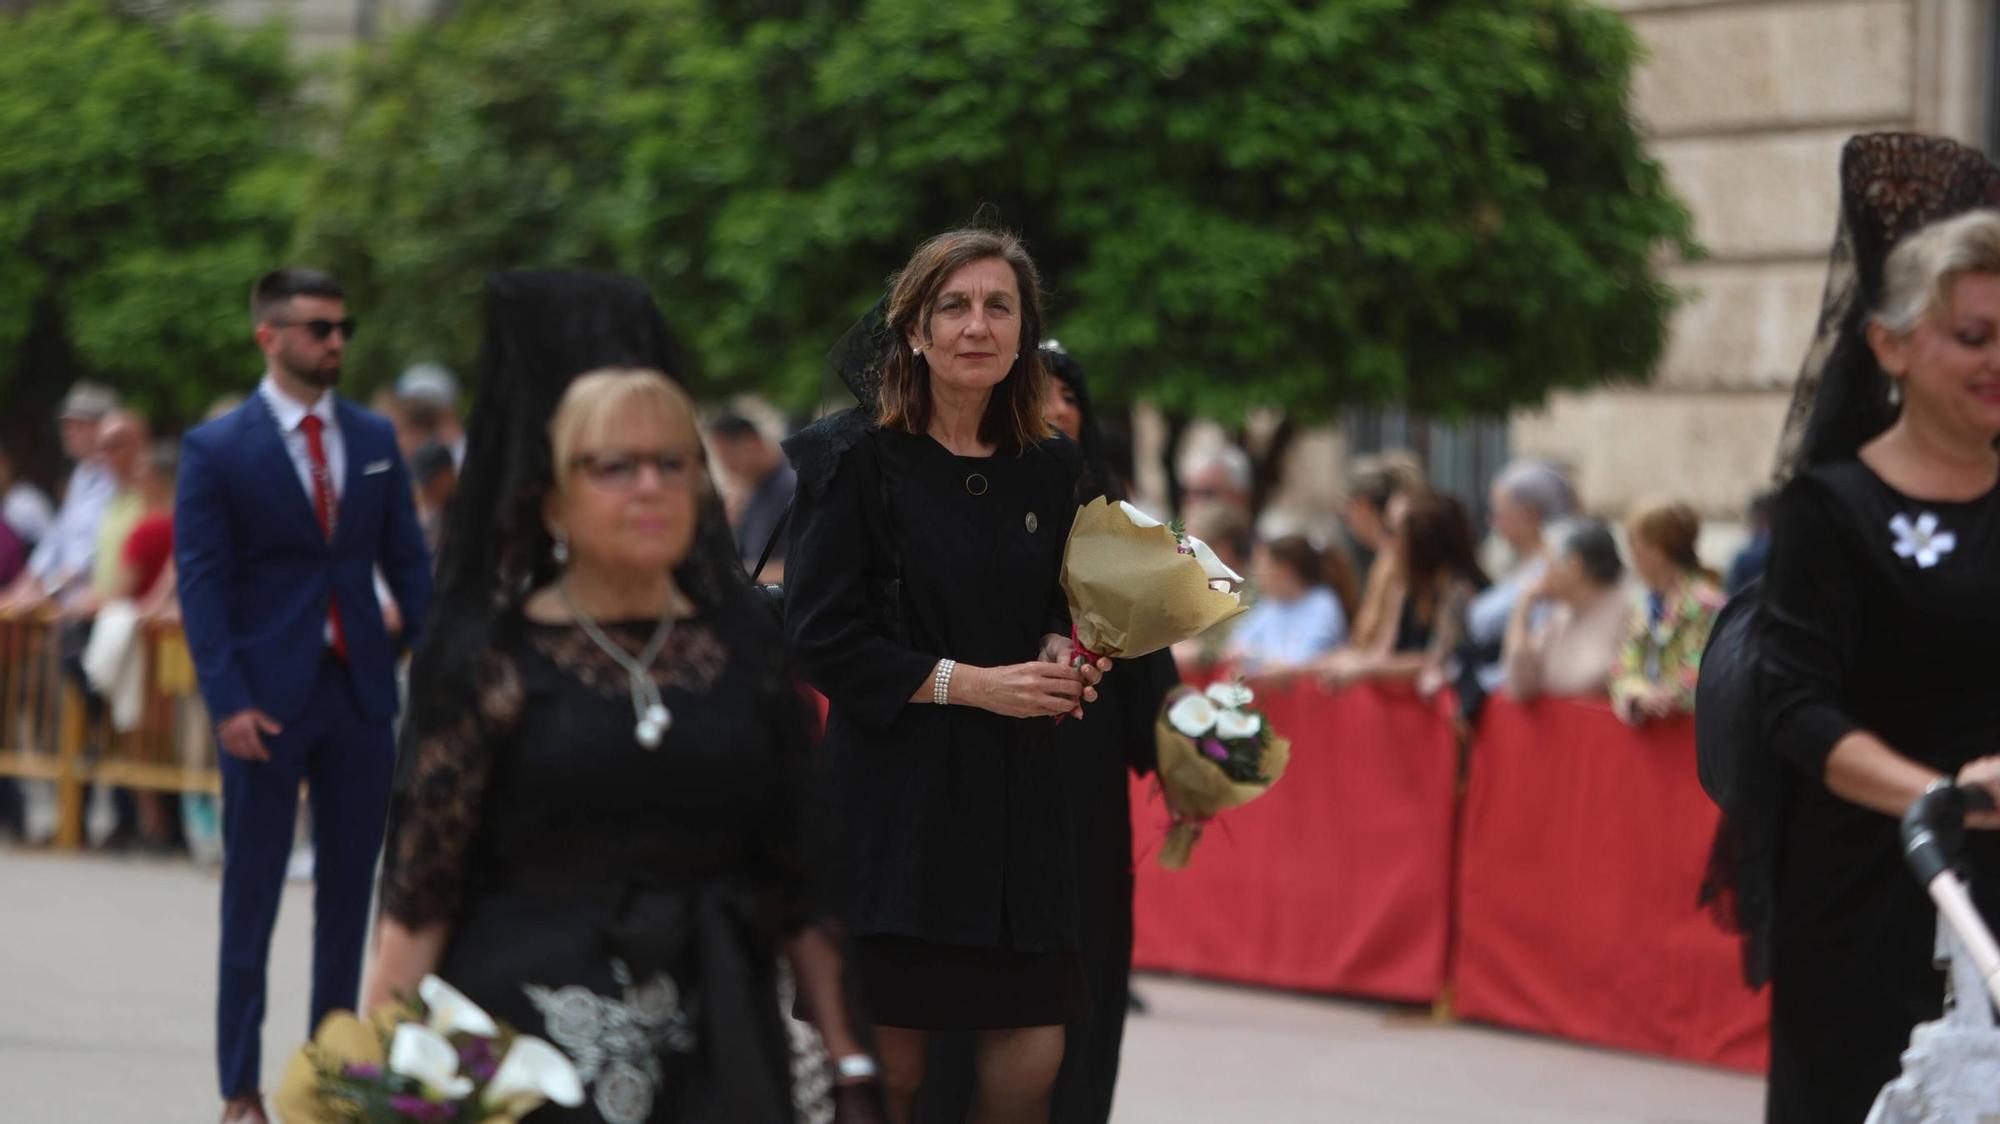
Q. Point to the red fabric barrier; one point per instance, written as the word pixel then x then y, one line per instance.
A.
pixel 1338 879
pixel 1584 844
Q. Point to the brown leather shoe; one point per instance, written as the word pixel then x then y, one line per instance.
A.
pixel 246 1109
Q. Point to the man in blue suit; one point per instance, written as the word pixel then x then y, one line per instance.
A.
pixel 287 507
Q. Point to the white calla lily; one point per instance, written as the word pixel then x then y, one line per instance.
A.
pixel 1211 564
pixel 532 1072
pixel 423 1054
pixel 1138 518
pixel 1233 696
pixel 1193 715
pixel 451 1012
pixel 1231 725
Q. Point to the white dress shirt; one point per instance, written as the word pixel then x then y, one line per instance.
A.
pixel 63 558
pixel 290 412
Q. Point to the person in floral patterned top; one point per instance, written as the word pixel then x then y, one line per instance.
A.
pixel 1662 656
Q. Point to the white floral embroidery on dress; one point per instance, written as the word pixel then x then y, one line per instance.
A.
pixel 616 1043
pixel 1922 540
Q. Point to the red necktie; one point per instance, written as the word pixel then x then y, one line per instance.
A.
pixel 323 505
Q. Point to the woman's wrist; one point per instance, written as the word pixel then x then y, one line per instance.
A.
pixel 966 681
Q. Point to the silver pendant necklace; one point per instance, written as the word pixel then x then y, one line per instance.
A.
pixel 650 716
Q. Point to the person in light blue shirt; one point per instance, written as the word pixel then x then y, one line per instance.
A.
pixel 1301 611
pixel 59 569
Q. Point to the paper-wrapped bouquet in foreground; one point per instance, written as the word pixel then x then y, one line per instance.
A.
pixel 1216 753
pixel 438 1059
pixel 1136 585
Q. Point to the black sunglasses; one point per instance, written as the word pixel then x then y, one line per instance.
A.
pixel 320 329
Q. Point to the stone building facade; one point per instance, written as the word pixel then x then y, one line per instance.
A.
pixel 1747 103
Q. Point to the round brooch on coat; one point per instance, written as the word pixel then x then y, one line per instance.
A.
pixel 1034 524
pixel 976 484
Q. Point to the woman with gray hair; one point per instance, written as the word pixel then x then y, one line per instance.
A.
pixel 1527 497
pixel 1880 608
pixel 1565 632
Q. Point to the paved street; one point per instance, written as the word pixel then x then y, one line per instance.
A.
pixel 108 979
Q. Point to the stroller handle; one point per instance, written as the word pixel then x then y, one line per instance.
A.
pixel 1934 827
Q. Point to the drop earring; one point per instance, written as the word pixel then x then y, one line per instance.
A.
pixel 560 551
pixel 1895 393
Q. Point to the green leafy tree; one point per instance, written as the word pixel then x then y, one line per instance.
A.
pixel 1443 203
pixel 149 168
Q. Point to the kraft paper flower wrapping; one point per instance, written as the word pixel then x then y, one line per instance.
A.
pixel 1196 785
pixel 1133 590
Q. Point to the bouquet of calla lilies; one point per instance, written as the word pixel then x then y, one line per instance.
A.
pixel 436 1060
pixel 1216 753
pixel 1136 585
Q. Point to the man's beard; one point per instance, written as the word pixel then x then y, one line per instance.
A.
pixel 319 378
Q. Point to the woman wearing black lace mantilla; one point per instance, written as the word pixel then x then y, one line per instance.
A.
pixel 599 831
pixel 1881 607
pixel 923 599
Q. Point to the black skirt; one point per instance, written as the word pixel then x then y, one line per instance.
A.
pixel 923 985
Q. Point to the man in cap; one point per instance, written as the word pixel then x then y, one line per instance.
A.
pixel 60 568
pixel 432 385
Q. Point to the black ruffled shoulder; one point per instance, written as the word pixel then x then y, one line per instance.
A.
pixel 816 450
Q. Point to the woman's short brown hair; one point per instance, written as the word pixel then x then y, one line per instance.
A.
pixel 1014 417
pixel 1672 528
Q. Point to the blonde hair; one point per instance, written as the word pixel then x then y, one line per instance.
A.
pixel 594 401
pixel 1920 271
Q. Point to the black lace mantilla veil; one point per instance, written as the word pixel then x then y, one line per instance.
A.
pixel 1891 184
pixel 543 329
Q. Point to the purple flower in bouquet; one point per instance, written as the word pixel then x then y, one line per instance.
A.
pixel 1215 749
pixel 429 1112
pixel 477 1059
pixel 361 1071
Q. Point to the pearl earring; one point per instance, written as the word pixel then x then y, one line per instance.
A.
pixel 560 551
pixel 1895 393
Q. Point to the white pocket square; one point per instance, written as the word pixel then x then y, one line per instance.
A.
pixel 378 467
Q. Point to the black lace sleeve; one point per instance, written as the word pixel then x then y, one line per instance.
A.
pixel 439 797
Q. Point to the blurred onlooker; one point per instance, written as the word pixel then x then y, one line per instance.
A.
pixel 126 446
pixel 1372 482
pixel 1661 659
pixel 433 385
pixel 148 553
pixel 59 569
pixel 1217 475
pixel 24 508
pixel 1434 574
pixel 1526 498
pixel 1568 629
pixel 1750 561
pixel 435 478
pixel 758 473
pixel 1299 616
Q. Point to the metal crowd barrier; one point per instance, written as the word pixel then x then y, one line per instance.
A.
pixel 48 732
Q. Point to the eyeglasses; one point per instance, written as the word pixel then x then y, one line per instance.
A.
pixel 619 472
pixel 320 329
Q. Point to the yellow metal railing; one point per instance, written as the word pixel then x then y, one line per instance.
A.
pixel 47 733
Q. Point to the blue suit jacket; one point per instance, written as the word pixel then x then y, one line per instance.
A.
pixel 255 571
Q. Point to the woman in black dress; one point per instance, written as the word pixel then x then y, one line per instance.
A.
pixel 1881 608
pixel 1098 759
pixel 598 831
pixel 923 599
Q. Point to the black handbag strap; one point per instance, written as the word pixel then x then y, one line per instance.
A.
pixel 771 544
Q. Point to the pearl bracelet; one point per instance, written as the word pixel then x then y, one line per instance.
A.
pixel 941 684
